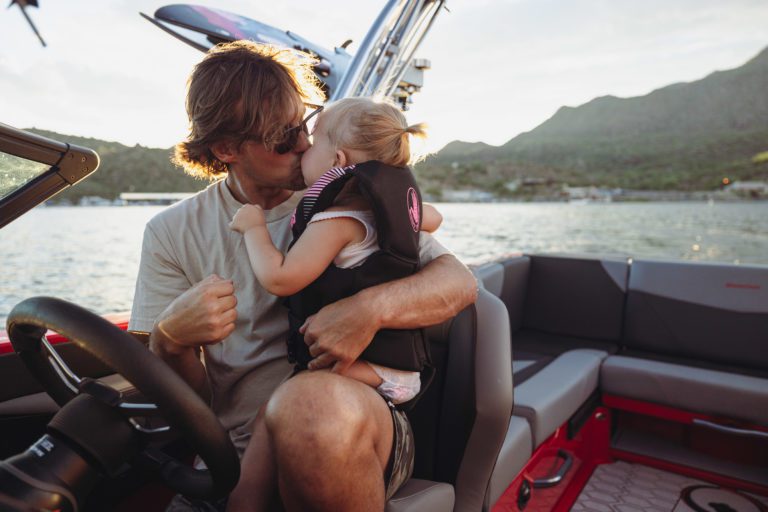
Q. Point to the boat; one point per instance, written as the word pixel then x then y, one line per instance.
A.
pixel 575 382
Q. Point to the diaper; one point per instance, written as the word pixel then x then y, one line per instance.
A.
pixel 397 386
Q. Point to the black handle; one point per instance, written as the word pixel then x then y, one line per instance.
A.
pixel 551 481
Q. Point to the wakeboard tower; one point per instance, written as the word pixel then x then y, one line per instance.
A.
pixel 384 64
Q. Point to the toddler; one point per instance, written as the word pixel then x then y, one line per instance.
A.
pixel 337 244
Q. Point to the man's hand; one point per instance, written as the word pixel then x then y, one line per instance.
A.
pixel 204 314
pixel 339 333
pixel 247 217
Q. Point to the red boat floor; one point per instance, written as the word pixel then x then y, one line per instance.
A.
pixel 626 487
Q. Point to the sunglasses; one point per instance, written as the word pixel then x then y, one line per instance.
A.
pixel 291 135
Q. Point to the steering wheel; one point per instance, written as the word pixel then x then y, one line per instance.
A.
pixel 171 397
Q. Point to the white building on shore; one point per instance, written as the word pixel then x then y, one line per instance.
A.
pixel 129 198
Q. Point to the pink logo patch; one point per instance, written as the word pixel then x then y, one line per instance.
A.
pixel 413 208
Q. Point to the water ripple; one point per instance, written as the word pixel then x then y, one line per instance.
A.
pixel 90 255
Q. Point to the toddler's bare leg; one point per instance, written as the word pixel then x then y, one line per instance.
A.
pixel 362 371
pixel 257 488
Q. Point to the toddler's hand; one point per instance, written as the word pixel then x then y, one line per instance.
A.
pixel 247 217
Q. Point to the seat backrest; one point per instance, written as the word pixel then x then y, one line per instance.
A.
pixel 700 311
pixel 578 297
pixel 461 420
pixel 506 279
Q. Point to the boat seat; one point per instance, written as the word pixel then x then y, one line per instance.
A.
pixel 695 339
pixel 422 495
pixel 461 421
pixel 515 454
pixel 715 393
pixel 565 317
pixel 552 395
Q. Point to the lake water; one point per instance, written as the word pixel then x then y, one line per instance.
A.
pixel 90 255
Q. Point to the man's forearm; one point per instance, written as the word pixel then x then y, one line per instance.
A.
pixel 184 360
pixel 437 292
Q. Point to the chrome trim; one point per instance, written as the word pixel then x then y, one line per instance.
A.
pixel 137 407
pixel 145 430
pixel 744 432
pixel 66 375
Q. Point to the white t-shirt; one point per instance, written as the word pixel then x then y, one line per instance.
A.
pixel 187 242
pixel 355 254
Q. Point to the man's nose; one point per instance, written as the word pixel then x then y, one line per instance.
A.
pixel 303 144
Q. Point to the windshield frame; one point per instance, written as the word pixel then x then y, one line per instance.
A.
pixel 68 164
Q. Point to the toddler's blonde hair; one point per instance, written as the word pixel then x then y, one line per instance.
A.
pixel 375 127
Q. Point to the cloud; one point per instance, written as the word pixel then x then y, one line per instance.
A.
pixel 498 67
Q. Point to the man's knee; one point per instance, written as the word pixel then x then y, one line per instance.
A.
pixel 319 407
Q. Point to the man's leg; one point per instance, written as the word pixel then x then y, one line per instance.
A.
pixel 257 488
pixel 332 438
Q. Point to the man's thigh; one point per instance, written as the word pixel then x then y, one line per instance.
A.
pixel 325 400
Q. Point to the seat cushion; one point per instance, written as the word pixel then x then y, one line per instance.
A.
pixel 527 342
pixel 552 395
pixel 422 496
pixel 514 454
pixel 693 389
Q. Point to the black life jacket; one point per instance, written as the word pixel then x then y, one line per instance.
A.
pixel 396 203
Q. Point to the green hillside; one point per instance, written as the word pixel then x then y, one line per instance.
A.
pixel 683 136
pixel 126 169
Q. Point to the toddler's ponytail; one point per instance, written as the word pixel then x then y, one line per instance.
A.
pixel 376 128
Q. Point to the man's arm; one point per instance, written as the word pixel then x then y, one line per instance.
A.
pixel 184 360
pixel 191 316
pixel 203 315
pixel 340 332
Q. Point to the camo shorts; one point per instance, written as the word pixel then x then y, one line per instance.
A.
pixel 400 465
pixel 398 471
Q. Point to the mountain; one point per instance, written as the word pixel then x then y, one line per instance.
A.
pixel 126 169
pixel 460 148
pixel 684 136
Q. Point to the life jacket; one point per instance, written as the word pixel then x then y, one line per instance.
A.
pixel 396 203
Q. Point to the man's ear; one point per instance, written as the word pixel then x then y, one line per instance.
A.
pixel 225 150
pixel 341 158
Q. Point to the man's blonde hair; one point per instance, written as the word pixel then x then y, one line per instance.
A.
pixel 375 127
pixel 241 91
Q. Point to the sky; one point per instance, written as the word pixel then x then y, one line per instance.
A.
pixel 499 67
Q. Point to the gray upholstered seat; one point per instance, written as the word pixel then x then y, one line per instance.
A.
pixel 551 396
pixel 461 422
pixel 515 453
pixel 701 390
pixel 565 318
pixel 424 495
pixel 695 339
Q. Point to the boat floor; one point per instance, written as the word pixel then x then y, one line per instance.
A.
pixel 625 487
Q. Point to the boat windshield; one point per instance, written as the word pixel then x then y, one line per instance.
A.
pixel 15 172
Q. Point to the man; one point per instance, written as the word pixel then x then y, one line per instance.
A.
pixel 335 443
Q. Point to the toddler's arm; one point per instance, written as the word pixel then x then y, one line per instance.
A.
pixel 285 274
pixel 431 219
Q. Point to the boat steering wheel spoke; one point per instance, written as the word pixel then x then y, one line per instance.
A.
pixel 167 404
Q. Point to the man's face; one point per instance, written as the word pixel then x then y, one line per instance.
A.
pixel 255 165
pixel 260 167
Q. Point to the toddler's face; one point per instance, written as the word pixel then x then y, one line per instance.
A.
pixel 320 157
